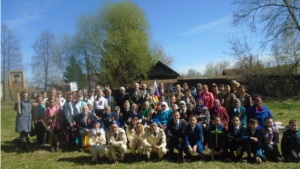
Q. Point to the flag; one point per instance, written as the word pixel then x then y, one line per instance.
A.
pixel 155 89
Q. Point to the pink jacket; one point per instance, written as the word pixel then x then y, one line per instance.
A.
pixel 51 112
pixel 209 99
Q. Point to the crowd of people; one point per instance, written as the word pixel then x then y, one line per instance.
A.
pixel 227 120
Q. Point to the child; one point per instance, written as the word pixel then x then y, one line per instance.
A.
pixel 217 140
pixel 270 140
pixel 77 106
pixel 234 144
pixel 193 138
pixel 97 141
pixel 251 137
pixel 61 99
pixel 290 143
pixel 135 133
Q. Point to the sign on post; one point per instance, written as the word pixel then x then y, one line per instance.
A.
pixel 73 86
pixel 16 81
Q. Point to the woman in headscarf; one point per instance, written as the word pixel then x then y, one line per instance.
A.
pixel 239 111
pixel 23 119
pixel 163 115
pixel 201 112
pixel 220 111
pixel 194 92
pixel 259 112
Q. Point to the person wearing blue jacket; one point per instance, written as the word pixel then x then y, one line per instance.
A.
pixel 217 140
pixel 163 115
pixel 252 139
pixel 193 138
pixel 259 112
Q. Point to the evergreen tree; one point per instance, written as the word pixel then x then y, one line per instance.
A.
pixel 73 73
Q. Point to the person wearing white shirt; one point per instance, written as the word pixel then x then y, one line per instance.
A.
pixel 99 104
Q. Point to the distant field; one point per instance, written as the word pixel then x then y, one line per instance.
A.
pixel 14 157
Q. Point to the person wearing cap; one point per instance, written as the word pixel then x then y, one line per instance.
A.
pixel 17 80
pixel 117 141
pixel 155 141
pixel 97 141
pixel 135 133
pixel 175 135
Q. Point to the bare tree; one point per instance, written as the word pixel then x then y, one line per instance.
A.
pixel 10 56
pixel 212 69
pixel 46 64
pixel 268 18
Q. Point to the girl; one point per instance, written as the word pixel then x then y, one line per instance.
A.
pixel 23 119
pixel 53 124
pixel 39 108
pixel 135 133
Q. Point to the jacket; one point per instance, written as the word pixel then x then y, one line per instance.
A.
pixel 193 138
pixel 290 140
pixel 217 137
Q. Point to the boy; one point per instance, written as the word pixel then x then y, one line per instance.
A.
pixel 193 138
pixel 290 143
pixel 251 138
pixel 217 140
pixel 270 140
pixel 233 135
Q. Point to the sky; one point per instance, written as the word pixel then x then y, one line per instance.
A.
pixel 194 32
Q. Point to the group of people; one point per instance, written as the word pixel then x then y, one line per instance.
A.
pixel 224 120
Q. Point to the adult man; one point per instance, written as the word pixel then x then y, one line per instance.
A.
pixel 110 99
pixel 137 96
pixel 83 125
pixel 161 89
pixel 17 80
pixel 122 96
pixel 175 136
pixel 108 117
pixel 67 121
pixel 144 90
pixel 117 141
pixel 155 141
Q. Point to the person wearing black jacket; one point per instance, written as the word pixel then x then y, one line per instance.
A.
pixel 175 135
pixel 290 143
pixel 121 98
pixel 83 124
pixel 233 135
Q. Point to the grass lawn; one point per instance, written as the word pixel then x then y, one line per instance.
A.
pixel 12 156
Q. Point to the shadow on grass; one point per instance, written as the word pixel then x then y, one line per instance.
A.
pixel 15 146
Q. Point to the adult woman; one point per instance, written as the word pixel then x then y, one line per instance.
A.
pixel 135 133
pixel 53 124
pixel 259 112
pixel 99 103
pixel 239 111
pixel 220 111
pixel 208 97
pixel 194 92
pixel 185 86
pixel 163 115
pixel 244 97
pixel 228 98
pixel 38 111
pixel 23 119
pixel 152 98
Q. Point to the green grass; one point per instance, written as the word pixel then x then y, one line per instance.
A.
pixel 12 156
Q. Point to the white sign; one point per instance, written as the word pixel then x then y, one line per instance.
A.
pixel 73 86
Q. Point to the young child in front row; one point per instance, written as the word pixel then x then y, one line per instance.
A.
pixel 290 143
pixel 270 140
pixel 217 140
pixel 251 139
pixel 233 135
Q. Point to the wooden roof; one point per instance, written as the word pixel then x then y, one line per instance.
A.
pixel 151 82
pixel 160 70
